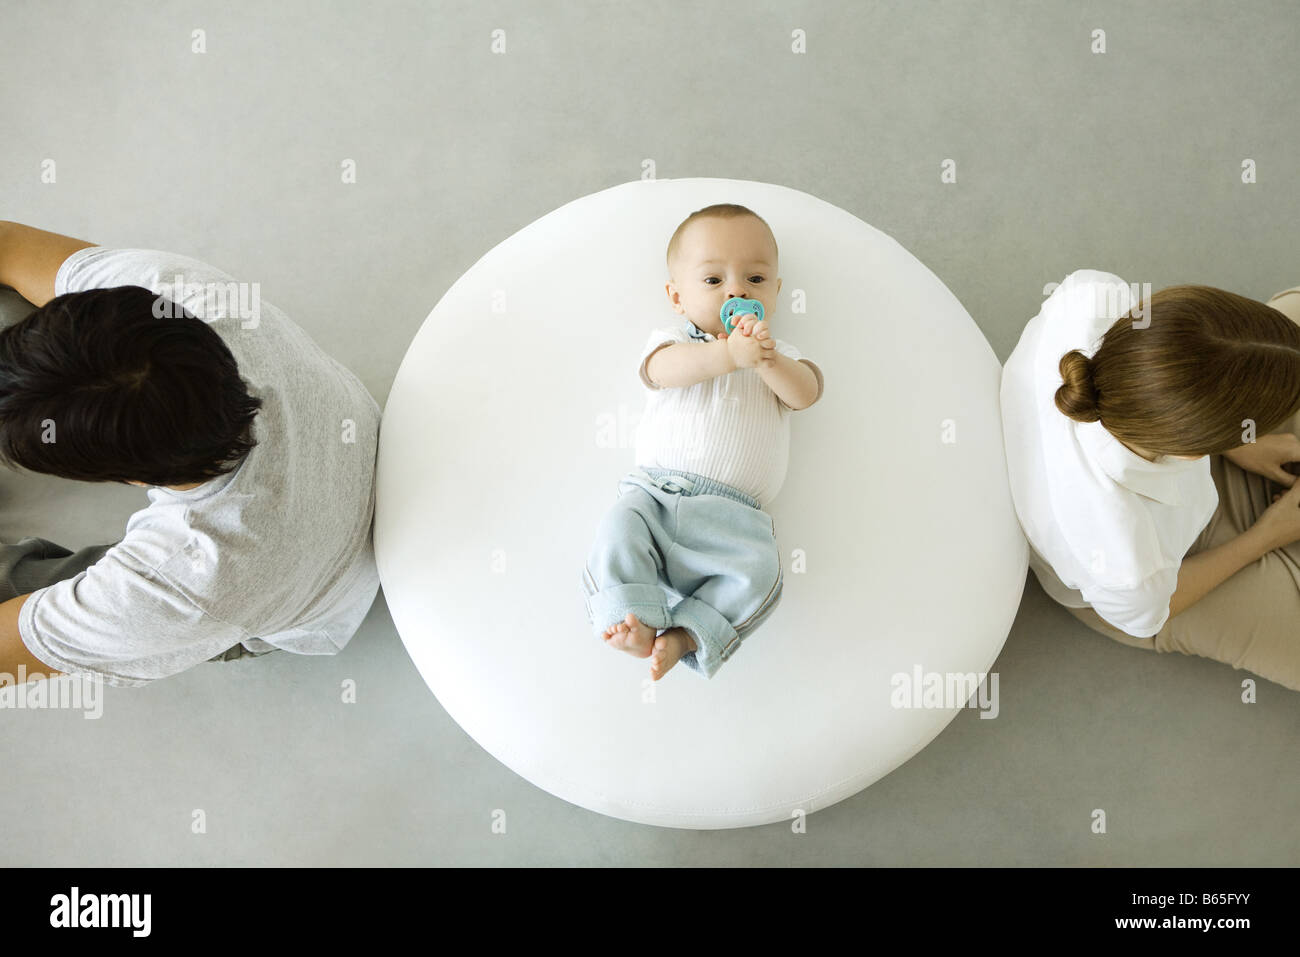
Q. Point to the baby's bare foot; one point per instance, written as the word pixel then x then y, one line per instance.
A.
pixel 632 636
pixel 668 650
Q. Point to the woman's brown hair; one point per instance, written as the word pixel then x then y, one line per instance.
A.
pixel 1202 362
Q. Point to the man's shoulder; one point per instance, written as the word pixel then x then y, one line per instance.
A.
pixel 101 267
pixel 206 292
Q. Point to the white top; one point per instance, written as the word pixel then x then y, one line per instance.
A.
pixel 731 428
pixel 275 554
pixel 1106 528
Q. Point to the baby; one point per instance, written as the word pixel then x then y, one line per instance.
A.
pixel 685 564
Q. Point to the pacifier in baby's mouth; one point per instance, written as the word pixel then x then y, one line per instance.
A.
pixel 737 306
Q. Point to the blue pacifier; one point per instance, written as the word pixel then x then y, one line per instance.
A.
pixel 736 306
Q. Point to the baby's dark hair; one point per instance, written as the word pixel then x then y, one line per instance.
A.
pixel 721 211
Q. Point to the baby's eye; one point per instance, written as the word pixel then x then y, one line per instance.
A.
pixel 755 279
pixel 713 280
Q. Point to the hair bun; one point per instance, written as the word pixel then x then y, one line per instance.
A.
pixel 1077 398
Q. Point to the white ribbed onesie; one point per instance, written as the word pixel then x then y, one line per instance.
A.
pixel 732 428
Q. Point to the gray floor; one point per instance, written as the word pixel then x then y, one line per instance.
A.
pixel 1127 161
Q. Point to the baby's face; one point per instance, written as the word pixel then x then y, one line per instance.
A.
pixel 720 258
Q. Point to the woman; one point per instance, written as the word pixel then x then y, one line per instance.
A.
pixel 1146 446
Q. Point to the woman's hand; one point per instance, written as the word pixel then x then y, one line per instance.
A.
pixel 1266 456
pixel 1281 520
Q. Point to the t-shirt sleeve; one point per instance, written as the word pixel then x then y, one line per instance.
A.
pixel 121 621
pixel 1141 611
pixel 207 292
pixel 657 338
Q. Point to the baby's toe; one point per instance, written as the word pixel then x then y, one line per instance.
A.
pixel 658 658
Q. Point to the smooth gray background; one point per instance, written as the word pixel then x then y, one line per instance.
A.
pixel 1127 161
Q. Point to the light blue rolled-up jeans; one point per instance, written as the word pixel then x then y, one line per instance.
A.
pixel 679 549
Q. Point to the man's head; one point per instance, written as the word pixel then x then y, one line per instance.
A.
pixel 716 253
pixel 94 387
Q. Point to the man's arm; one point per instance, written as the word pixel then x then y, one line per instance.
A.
pixel 30 259
pixel 794 381
pixel 12 650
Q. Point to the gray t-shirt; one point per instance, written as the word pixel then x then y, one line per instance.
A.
pixel 276 554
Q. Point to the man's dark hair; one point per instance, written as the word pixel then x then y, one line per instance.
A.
pixel 95 387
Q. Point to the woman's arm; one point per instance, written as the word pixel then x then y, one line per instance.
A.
pixel 1267 456
pixel 1204 571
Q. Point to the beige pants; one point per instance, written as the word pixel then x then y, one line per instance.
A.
pixel 1252 620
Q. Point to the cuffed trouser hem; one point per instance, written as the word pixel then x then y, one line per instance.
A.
pixel 716 639
pixel 610 605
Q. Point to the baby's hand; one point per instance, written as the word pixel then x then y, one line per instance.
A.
pixel 751 345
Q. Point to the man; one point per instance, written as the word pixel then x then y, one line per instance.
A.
pixel 257 450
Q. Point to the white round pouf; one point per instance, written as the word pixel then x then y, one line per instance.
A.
pixel 510 423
